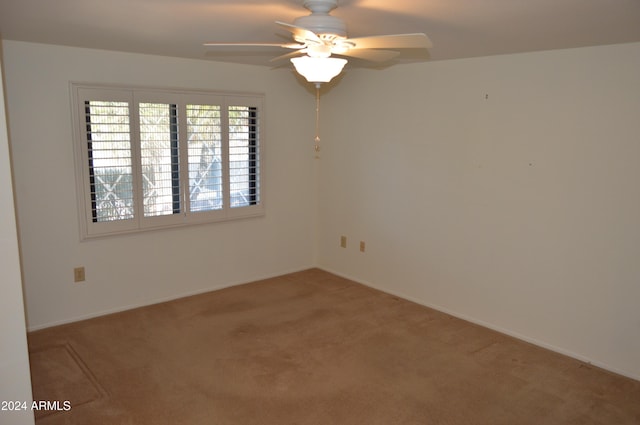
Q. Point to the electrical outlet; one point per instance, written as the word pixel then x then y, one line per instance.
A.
pixel 78 274
pixel 362 246
pixel 343 241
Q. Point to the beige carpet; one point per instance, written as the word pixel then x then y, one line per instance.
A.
pixel 312 348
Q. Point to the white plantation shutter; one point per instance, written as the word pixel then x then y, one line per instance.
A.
pixel 245 117
pixel 204 135
pixel 105 165
pixel 155 158
pixel 244 160
pixel 159 159
pixel 108 141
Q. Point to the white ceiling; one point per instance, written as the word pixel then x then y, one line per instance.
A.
pixel 458 28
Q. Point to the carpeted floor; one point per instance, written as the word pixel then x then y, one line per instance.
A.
pixel 311 348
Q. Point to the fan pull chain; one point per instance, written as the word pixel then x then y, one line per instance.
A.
pixel 317 139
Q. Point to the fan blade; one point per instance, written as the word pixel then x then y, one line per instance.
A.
pixel 394 41
pixel 373 55
pixel 284 46
pixel 288 55
pixel 301 35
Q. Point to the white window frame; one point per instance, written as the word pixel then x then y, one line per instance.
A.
pixel 90 228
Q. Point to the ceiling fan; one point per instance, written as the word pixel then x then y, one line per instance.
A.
pixel 319 35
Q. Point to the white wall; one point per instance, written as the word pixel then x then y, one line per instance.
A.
pixel 503 189
pixel 15 379
pixel 139 269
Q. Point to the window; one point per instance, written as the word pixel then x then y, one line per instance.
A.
pixel 149 159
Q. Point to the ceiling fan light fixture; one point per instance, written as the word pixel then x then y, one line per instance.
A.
pixel 318 70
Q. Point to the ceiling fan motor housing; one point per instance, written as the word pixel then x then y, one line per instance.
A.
pixel 320 22
pixel 323 25
pixel 320 6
